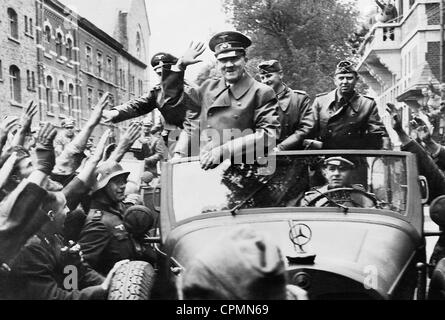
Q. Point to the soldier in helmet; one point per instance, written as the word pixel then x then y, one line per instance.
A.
pixel 338 174
pixel 345 119
pixel 66 136
pixel 172 118
pixel 294 110
pixel 104 239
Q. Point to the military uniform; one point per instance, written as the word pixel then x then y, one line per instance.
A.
pixel 247 104
pixel 152 151
pixel 294 112
pixel 296 118
pixel 104 239
pixel 344 197
pixel 352 124
pixel 173 116
pixel 38 273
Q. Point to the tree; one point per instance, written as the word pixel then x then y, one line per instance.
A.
pixel 308 37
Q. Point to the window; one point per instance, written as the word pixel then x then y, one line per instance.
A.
pixel 59 43
pixel 13 23
pixel 30 80
pixel 132 84
pixel 61 94
pixel 99 64
pixel 14 81
pixel 70 98
pixel 110 69
pixel 26 24
pixel 31 30
pixel 111 100
pixel 138 44
pixel 48 34
pixel 69 49
pixel 89 58
pixel 90 98
pixel 49 94
pixel 121 79
pixel 140 87
pixel 124 85
pixel 100 93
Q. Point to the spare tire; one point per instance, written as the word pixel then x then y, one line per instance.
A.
pixel 132 281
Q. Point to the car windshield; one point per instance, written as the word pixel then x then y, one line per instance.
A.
pixel 378 182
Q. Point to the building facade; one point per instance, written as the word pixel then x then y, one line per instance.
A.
pixel 53 55
pixel 399 59
pixel 18 55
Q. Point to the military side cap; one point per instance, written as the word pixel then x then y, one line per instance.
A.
pixel 138 220
pixel 338 161
pixel 229 44
pixel 107 171
pixel 147 122
pixel 68 123
pixel 345 67
pixel 162 58
pixel 270 66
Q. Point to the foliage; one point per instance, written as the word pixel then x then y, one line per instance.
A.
pixel 308 37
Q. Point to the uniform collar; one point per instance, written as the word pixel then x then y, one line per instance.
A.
pixel 99 204
pixel 282 93
pixel 334 98
pixel 240 88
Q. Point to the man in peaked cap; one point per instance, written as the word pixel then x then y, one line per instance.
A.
pixel 345 119
pixel 294 110
pixel 230 115
pixel 338 173
pixel 66 136
pixel 173 118
pixel 104 239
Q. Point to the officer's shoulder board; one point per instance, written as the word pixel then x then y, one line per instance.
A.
pixel 156 87
pixel 97 215
pixel 371 98
pixel 300 92
pixel 322 94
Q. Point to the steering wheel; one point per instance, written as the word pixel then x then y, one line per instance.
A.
pixel 335 194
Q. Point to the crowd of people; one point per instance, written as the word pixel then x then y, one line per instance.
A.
pixel 66 201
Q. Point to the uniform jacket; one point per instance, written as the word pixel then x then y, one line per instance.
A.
pixel 249 106
pixel 104 239
pixel 20 218
pixel 152 151
pixel 295 115
pixel 173 115
pixel 311 195
pixel 38 274
pixel 356 125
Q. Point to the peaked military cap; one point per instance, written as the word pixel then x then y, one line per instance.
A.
pixel 68 122
pixel 270 66
pixel 162 58
pixel 339 161
pixel 229 44
pixel 345 67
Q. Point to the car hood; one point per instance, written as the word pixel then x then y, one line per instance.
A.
pixel 357 247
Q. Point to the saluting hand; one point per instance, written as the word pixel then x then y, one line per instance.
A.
pixel 191 55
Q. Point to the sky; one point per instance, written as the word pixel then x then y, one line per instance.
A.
pixel 175 23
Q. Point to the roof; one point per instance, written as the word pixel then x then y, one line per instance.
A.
pixel 103 13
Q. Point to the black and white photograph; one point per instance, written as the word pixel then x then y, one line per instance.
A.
pixel 222 150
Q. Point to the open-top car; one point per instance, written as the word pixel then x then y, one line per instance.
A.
pixel 357 237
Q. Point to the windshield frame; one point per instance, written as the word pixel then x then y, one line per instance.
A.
pixel 168 219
